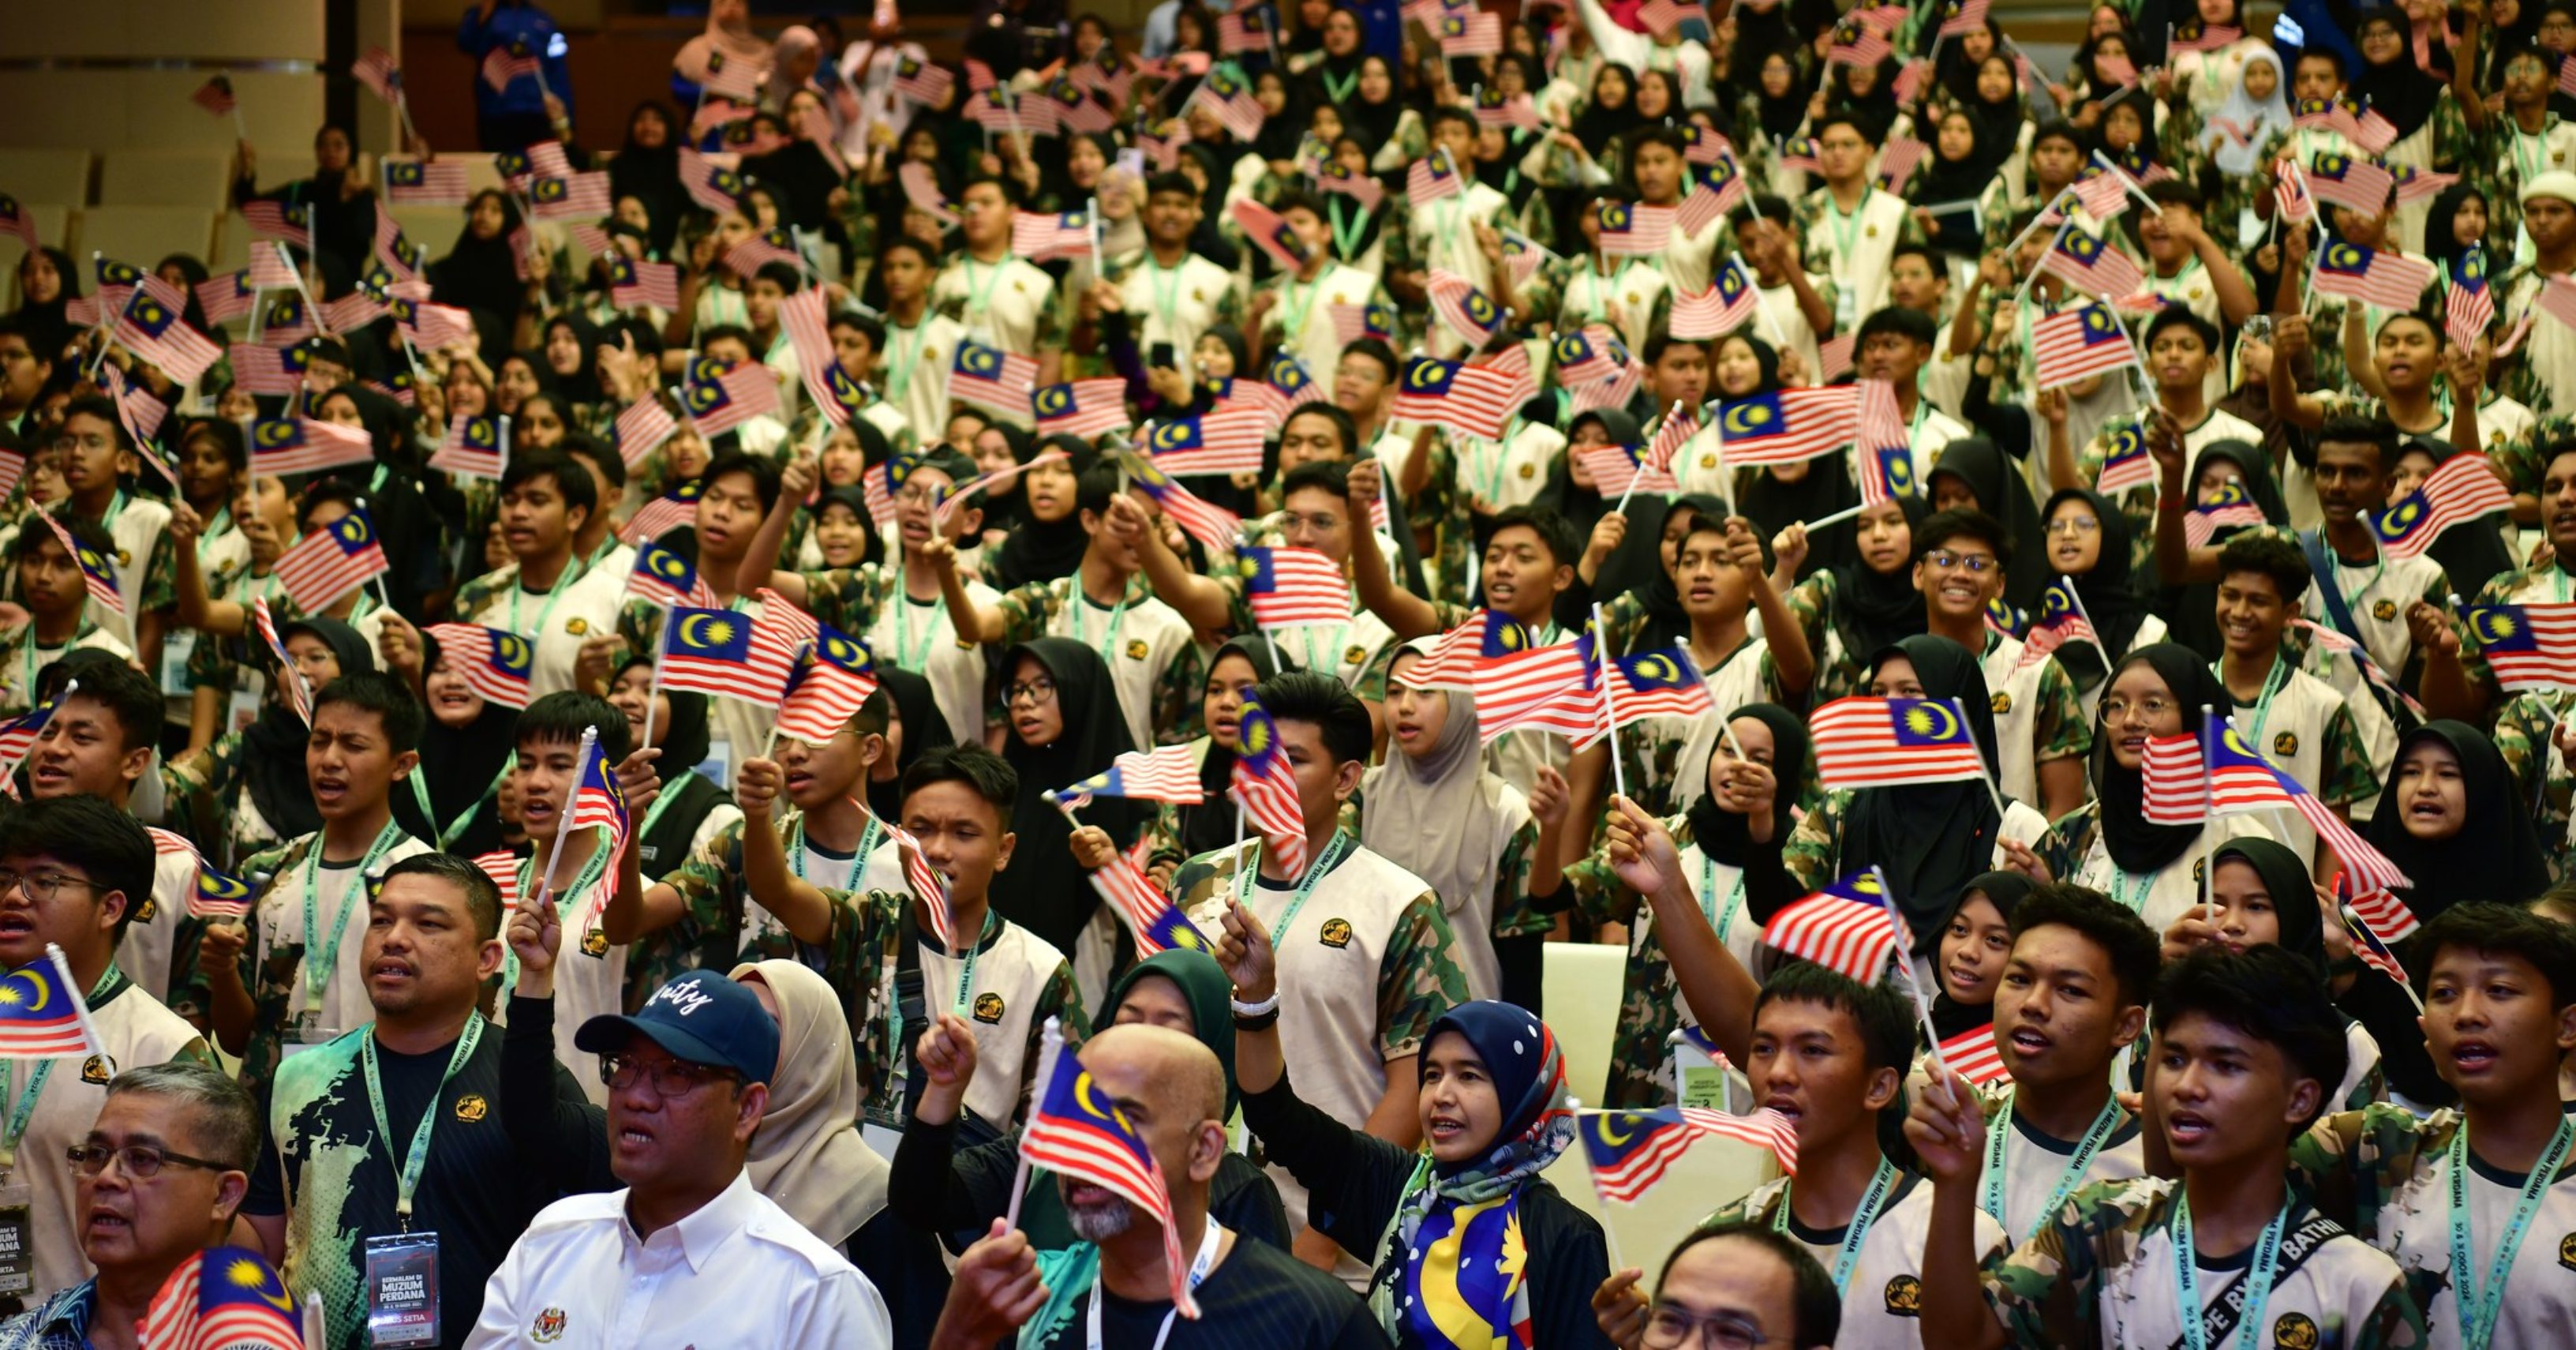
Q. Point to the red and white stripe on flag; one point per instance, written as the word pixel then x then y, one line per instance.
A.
pixel 1976 1055
pixel 1881 742
pixel 1855 938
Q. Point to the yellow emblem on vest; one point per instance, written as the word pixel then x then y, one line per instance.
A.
pixel 2384 610
pixel 471 1107
pixel 988 1009
pixel 2286 744
pixel 1135 649
pixel 1904 1297
pixel 576 625
pixel 1337 933
pixel 595 943
pixel 2294 1331
pixel 98 1069
pixel 2001 701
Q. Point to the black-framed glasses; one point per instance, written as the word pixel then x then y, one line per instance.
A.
pixel 671 1077
pixel 1035 691
pixel 41 885
pixel 141 1161
pixel 1670 1328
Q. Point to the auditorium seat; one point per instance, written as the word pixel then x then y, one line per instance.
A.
pixel 191 178
pixel 144 235
pixel 434 228
pixel 1580 985
pixel 53 226
pixel 55 177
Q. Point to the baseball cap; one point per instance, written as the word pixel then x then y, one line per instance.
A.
pixel 701 1017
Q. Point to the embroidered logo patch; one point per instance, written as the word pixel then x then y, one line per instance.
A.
pixel 2567 1251
pixel 471 1107
pixel 1904 1297
pixel 548 1327
pixel 988 1009
pixel 1136 649
pixel 2002 702
pixel 144 915
pixel 2384 610
pixel 2294 1331
pixel 2286 744
pixel 98 1069
pixel 576 625
pixel 1336 933
pixel 595 943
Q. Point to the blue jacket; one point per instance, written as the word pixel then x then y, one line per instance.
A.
pixel 523 23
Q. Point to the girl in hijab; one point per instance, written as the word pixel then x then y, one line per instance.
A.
pixel 1867 93
pixel 2456 223
pixel 1757 776
pixel 466 749
pixel 1972 473
pixel 1778 496
pixel 2260 894
pixel 1183 832
pixel 938 1187
pixel 481 273
pixel 1968 962
pixel 1483 845
pixel 1570 491
pixel 2256 110
pixel 267 758
pixel 1064 727
pixel 1961 167
pixel 48 281
pixel 1930 839
pixel 647 167
pixel 2448 817
pixel 1049 541
pixel 2088 544
pixel 1861 606
pixel 698 810
pixel 2391 84
pixel 1424 1220
pixel 572 364
pixel 2107 843
pixel 997 447
pixel 1377 105
pixel 2190 610
pixel 916 726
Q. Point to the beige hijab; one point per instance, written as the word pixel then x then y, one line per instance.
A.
pixel 740 45
pixel 808 1155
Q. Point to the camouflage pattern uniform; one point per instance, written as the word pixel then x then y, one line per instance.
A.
pixel 2524 734
pixel 1030 612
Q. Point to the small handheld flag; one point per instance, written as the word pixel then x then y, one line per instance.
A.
pixel 1167 774
pixel 829 690
pixel 1873 742
pixel 331 562
pixel 1075 1131
pixel 1847 928
pixel 223 1298
pixel 1265 786
pixel 667 577
pixel 42 1013
pixel 495 663
pixel 98 574
pixel 1630 1151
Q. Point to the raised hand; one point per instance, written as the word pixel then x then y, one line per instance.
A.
pixel 1243 948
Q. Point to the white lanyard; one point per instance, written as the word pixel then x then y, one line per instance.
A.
pixel 1198 1272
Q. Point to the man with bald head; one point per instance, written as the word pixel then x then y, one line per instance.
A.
pixel 1251 1296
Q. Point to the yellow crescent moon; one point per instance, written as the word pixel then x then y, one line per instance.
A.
pixel 2492 624
pixel 44 993
pixel 1082 1097
pixel 1601 1129
pixel 1949 720
pixel 692 630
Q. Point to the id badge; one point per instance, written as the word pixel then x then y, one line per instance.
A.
pixel 1701 1083
pixel 17 1258
pixel 242 709
pixel 402 1289
pixel 176 648
pixel 308 1033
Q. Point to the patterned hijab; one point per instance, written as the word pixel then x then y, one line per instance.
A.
pixel 1453 1252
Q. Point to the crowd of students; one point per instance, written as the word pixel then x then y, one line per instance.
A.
pixel 474 1070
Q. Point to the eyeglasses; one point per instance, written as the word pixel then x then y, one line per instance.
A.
pixel 671 1077
pixel 2074 525
pixel 1035 691
pixel 1669 1328
pixel 2117 709
pixel 1978 564
pixel 41 885
pixel 71 442
pixel 141 1161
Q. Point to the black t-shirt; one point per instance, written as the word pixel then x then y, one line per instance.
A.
pixel 1261 1298
pixel 323 1153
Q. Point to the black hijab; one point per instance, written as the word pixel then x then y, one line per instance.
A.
pixel 48 325
pixel 1963 179
pixel 1372 124
pixel 2004 494
pixel 2287 880
pixel 1637 568
pixel 1599 124
pixel 2003 890
pixel 481 276
pixel 1781 116
pixel 922 727
pixel 652 176
pixel 2191 611
pixel 1583 507
pixel 2110 598
pixel 582 385
pixel 2442 246
pixel 2137 846
pixel 273 747
pixel 1045 890
pixel 1209 825
pixel 1041 550
pixel 1006 504
pixel 2495 856
pixel 2398 90
pixel 684 741
pixel 1722 834
pixel 1934 838
pixel 458 765
pixel 1874 610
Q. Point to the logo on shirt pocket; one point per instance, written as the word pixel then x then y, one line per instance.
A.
pixel 548 1327
pixel 1136 649
pixel 98 1069
pixel 1337 933
pixel 595 943
pixel 988 1009
pixel 2294 1331
pixel 576 625
pixel 471 1107
pixel 2002 701
pixel 2384 611
pixel 1904 1297
pixel 2567 1251
pixel 2286 744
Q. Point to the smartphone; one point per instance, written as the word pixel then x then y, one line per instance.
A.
pixel 1160 354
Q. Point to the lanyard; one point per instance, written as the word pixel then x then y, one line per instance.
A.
pixel 2477 1312
pixel 1315 870
pixel 1077 617
pixel 443 833
pixel 965 969
pixel 858 860
pixel 25 1107
pixel 2272 684
pixel 322 962
pixel 414 1162
pixel 1167 292
pixel 653 814
pixel 979 299
pixel 1708 896
pixel 1346 243
pixel 904 356
pixel 1198 1272
pixel 1293 326
pixel 1339 90
pixel 906 655
pixel 27 683
pixel 563 579
pixel 215 530
pixel 2258 1280
pixel 1846 226
pixel 1854 1233
pixel 1999 1130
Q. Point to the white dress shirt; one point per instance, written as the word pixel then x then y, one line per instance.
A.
pixel 739 1271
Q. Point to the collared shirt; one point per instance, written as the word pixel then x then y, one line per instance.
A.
pixel 737 1271
pixel 58 1323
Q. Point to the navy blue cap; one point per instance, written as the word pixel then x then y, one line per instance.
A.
pixel 701 1017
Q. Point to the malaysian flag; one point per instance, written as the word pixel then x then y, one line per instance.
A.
pixel 2463 489
pixel 714 186
pixel 1084 408
pixel 268 370
pixel 2073 343
pixel 923 83
pixel 737 78
pixel 2368 943
pixel 503 867
pixel 1630 1151
pixel 1041 238
pixel 2101 192
pixel 1168 774
pixel 708 651
pixel 286 222
pixel 1663 16
pixel 2125 462
pixel 1076 1132
pixel 1229 96
pixel 299 692
pixel 1431 178
pixel 217 896
pixel 1458 657
pixel 155 332
pixel 1886 473
pixel 18 736
pixel 495 663
pixel 1265 786
pixel 1494 108
pixel 2371 276
pixel 2227 509
pixel 721 395
pixel 1729 303
pixel 1476 400
pixel 476 447
pixel 2530 648
pixel 2468 303
pixel 665 513
pixel 1962 17
pixel 41 1012
pixel 1587 355
pixel 1882 428
pixel 431 326
pixel 2290 192
pixel 1858 42
pixel 991 378
pixel 1789 425
pixel 1892 742
pixel 511 62
pixel 1848 928
pixel 1634 229
pixel 830 689
pixel 1269 233
pixel 1976 1055
pixel 1716 188
pixel 216 96
pixel 1240 33
pixel 2348 182
pixel 1361 188
pixel 1630 468
pixel 2092 266
pixel 223 1298
pixel 666 577
pixel 633 282
pixel 136 406
pixel 1554 688
pixel 761 248
pixel 331 562
pixel 2206 37
pixel 1476 32
pixel 1157 923
pixel 600 803
pixel 1896 162
pixel 1678 427
pixel 1213 526
pixel 1210 443
pixel 1289 386
pixel 375 69
pixel 1463 309
pixel 2231 780
pixel 285 445
pixel 1661 683
pixel 17 221
pixel 583 196
pixel 2061 621
pixel 1293 588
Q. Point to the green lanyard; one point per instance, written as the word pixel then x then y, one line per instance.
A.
pixel 1846 227
pixel 906 655
pixel 966 967
pixel 979 299
pixel 2258 1280
pixel 1167 292
pixel 417 1160
pixel 1294 325
pixel 904 356
pixel 2134 901
pixel 25 1107
pixel 653 814
pixel 1999 1130
pixel 1856 1232
pixel 1339 90
pixel 858 861
pixel 582 881
pixel 563 579
pixel 1316 870
pixel 420 794
pixel 1708 897
pixel 1346 243
pixel 321 962
pixel 2273 683
pixel 27 684
pixel 214 530
pixel 1078 606
pixel 2477 1311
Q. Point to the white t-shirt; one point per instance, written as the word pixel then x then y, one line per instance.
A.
pixel 918 636
pixel 2034 1164
pixel 1138 640
pixel 1010 976
pixel 1174 305
pixel 136 1030
pixel 1883 1299
pixel 585 608
pixel 278 921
